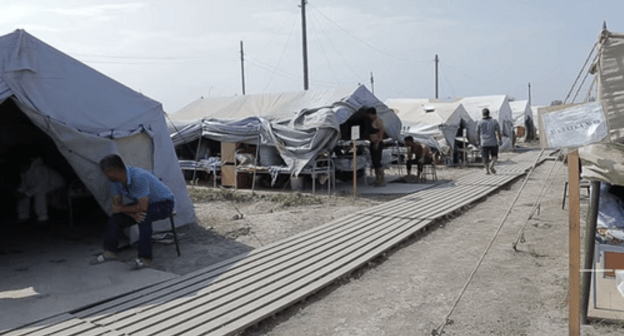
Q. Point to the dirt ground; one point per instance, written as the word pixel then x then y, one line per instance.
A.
pixel 411 289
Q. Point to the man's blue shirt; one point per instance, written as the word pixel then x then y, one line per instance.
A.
pixel 142 183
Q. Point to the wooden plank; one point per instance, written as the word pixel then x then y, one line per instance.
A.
pixel 219 294
pixel 240 260
pixel 219 279
pixel 205 321
pixel 574 244
pixel 458 193
pixel 30 328
pixel 438 212
pixel 231 325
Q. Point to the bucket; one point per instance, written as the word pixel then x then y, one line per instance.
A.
pixel 520 131
pixel 296 183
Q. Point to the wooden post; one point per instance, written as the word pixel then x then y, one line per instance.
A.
pixel 574 245
pixel 590 236
pixel 355 169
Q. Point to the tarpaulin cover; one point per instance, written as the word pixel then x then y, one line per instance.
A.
pixel 423 118
pixel 84 111
pixel 299 135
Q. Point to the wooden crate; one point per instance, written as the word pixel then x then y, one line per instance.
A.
pixel 228 175
pixel 228 150
pixel 613 261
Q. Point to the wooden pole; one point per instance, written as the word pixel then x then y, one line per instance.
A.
pixel 197 158
pixel 574 245
pixel 590 236
pixel 304 39
pixel 355 169
pixel 437 60
pixel 242 66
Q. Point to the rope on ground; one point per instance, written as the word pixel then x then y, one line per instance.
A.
pixel 440 328
pixel 538 201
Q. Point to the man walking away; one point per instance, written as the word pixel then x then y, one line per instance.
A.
pixel 150 199
pixel 487 130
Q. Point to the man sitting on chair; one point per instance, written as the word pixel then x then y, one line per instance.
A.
pixel 150 199
pixel 417 154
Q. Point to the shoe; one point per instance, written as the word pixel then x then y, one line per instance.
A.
pixel 493 170
pixel 102 258
pixel 487 173
pixel 139 263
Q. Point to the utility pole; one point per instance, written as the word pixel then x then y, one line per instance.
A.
pixel 529 93
pixel 436 75
pixel 242 66
pixel 372 83
pixel 305 45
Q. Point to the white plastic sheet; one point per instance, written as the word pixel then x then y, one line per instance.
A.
pixel 575 126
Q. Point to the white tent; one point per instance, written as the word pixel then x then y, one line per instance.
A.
pixel 523 116
pixel 89 116
pixel 423 118
pixel 499 110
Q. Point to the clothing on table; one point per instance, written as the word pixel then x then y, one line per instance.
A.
pixel 155 211
pixel 37 182
pixel 487 129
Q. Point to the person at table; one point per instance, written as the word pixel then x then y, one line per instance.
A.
pixel 418 154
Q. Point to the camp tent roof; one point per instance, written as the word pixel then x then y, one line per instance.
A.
pixel 89 116
pixel 273 106
pixel 425 117
pixel 499 110
pixel 521 110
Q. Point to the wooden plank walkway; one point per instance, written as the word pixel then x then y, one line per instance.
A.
pixel 236 293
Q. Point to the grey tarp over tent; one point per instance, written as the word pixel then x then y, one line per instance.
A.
pixel 298 124
pixel 89 116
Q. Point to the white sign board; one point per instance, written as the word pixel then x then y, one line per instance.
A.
pixel 576 126
pixel 355 132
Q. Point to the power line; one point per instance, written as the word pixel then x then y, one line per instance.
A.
pixel 357 76
pixel 282 56
pixel 366 43
pixel 323 51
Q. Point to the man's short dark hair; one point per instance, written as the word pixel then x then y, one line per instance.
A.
pixel 112 161
pixel 371 110
pixel 409 138
pixel 485 111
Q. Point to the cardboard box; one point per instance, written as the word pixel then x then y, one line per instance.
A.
pixel 613 261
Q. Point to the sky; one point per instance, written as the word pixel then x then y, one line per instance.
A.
pixel 179 51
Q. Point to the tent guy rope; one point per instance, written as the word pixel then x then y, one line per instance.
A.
pixel 440 328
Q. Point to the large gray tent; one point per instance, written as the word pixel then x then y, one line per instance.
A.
pixel 89 116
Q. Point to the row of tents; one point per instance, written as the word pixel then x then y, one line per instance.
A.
pixel 88 116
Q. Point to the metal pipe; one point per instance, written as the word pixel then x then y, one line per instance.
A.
pixel 590 242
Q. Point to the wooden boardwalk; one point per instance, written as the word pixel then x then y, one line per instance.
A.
pixel 236 293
